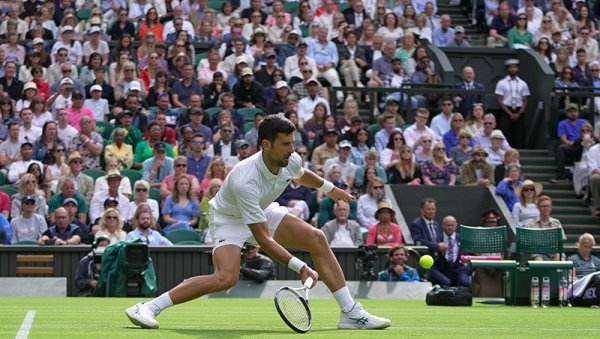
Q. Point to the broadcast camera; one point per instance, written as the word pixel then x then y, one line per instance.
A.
pixel 367 255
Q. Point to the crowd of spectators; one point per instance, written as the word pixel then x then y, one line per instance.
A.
pixel 180 119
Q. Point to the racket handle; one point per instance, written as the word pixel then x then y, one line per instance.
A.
pixel 308 283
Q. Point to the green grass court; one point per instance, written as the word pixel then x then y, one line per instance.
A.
pixel 254 318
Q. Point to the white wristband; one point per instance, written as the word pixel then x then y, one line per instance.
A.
pixel 326 187
pixel 296 264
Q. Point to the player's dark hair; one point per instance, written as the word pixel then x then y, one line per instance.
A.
pixel 273 125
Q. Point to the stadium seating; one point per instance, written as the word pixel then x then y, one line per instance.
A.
pixel 133 176
pixel 155 194
pixel 248 113
pixel 94 173
pixel 104 128
pixel 177 237
pixel 10 190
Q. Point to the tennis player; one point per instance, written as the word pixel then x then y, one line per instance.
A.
pixel 244 210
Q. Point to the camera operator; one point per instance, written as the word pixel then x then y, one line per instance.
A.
pixel 256 266
pixel 398 270
pixel 88 270
pixel 365 262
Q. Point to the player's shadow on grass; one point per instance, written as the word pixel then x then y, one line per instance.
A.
pixel 232 333
pixel 200 333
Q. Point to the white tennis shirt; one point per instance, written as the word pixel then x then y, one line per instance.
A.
pixel 250 188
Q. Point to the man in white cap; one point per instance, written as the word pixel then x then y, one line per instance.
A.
pixel 238 56
pixel 306 105
pixel 512 93
pixel 248 92
pixel 343 160
pixel 73 46
pixel 95 44
pixel 459 38
pixel 97 104
pixel 62 97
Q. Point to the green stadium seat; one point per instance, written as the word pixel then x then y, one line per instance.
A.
pixel 215 4
pixel 212 111
pixel 248 126
pixel 248 113
pixel 84 13
pixel 154 193
pixel 133 176
pixel 104 129
pixel 374 128
pixel 199 57
pixel 177 237
pixel 10 190
pixel 94 173
pixel 3 180
pixel 25 243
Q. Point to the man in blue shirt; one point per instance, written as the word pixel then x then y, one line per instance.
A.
pixel 145 230
pixel 398 270
pixel 157 168
pixel 326 56
pixel 197 161
pixel 443 34
pixel 569 131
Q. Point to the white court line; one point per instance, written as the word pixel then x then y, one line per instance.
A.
pixel 26 326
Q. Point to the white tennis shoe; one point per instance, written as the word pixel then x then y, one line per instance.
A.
pixel 359 319
pixel 141 315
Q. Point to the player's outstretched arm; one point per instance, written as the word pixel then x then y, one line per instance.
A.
pixel 260 231
pixel 312 180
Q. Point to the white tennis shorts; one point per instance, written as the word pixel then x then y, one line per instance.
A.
pixel 235 232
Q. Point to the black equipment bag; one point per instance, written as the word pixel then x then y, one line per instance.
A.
pixel 586 291
pixel 449 296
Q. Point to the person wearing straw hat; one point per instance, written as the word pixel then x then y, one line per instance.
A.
pixel 385 232
pixel 526 210
pixel 29 91
pixel 477 172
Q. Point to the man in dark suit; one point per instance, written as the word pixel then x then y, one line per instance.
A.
pixel 425 229
pixel 355 15
pixel 447 270
pixel 464 101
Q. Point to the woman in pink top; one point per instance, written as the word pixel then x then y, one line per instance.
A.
pixel 78 111
pixel 385 232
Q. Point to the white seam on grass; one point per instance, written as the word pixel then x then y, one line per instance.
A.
pixel 26 325
pixel 495 328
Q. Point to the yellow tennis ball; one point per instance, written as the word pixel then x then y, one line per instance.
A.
pixel 426 261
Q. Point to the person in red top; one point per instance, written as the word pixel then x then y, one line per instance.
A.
pixel 37 72
pixel 78 111
pixel 151 24
pixel 384 232
pixel 4 204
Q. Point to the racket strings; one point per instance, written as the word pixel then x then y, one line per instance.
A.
pixel 293 308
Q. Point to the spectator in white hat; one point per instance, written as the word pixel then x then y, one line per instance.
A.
pixel 73 46
pixel 97 104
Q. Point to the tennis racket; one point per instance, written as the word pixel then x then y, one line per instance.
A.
pixel 292 306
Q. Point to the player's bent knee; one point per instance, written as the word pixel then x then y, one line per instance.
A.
pixel 226 281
